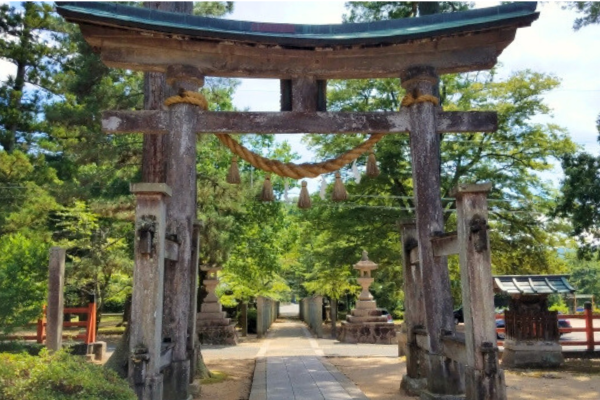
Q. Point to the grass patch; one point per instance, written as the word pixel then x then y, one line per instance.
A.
pixel 111 330
pixel 215 377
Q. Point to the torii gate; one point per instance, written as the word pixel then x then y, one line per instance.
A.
pixel 303 57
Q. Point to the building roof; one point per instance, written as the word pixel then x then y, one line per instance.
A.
pixel 299 35
pixel 532 284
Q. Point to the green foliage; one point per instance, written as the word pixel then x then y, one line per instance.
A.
pixel 367 11
pixel 585 276
pixel 25 42
pixel 23 278
pixel 580 200
pixel 590 11
pixel 59 376
pixel 213 8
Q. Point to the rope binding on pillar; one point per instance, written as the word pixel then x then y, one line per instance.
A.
pixel 409 99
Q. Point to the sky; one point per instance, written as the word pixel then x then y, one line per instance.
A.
pixel 550 45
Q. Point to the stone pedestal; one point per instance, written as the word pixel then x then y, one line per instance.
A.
pixel 366 324
pixel 534 354
pixel 212 324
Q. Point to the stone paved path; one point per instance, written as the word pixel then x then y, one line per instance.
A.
pixel 290 366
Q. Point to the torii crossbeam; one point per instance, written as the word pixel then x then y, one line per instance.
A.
pixel 302 57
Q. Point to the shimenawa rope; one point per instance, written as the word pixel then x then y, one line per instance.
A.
pixel 291 170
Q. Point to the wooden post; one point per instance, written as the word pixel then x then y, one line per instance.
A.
pixel 305 92
pixel 414 381
pixel 589 325
pixel 181 215
pixel 148 288
pixel 90 327
pixel 54 311
pixel 41 327
pixel 444 377
pixel 154 156
pixel 484 380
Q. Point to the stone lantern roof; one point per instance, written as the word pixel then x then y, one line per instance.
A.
pixel 365 264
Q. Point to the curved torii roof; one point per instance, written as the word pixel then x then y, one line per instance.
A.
pixel 144 39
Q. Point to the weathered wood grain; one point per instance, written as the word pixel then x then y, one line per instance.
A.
pixel 146 51
pixel 157 122
pixel 445 245
pixel 483 377
pixel 171 250
pixel 454 347
pixel 442 378
pixel 147 297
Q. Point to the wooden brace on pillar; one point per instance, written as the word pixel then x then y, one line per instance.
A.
pixel 484 380
pixel 148 280
pixel 416 367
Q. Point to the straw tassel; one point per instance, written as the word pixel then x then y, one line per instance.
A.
pixel 339 191
pixel 372 169
pixel 304 199
pixel 233 175
pixel 267 190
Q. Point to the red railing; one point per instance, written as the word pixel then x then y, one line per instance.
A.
pixel 589 330
pixel 90 326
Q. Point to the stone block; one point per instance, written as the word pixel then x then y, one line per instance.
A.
pixel 374 333
pixel 214 322
pixel 211 308
pixel 97 350
pixel 360 320
pixel 532 354
pixel 366 305
pixel 212 315
pixel 217 335
pixel 366 313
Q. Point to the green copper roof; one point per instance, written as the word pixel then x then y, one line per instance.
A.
pixel 381 32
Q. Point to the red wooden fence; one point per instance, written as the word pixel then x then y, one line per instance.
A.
pixel 589 329
pixel 90 326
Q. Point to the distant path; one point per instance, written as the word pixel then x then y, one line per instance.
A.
pixel 289 310
pixel 290 366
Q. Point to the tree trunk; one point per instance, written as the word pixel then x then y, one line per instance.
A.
pixel 333 313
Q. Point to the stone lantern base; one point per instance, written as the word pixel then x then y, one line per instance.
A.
pixel 367 325
pixel 217 335
pixel 533 354
pixel 368 332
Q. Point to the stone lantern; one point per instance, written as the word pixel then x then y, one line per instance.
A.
pixel 212 323
pixel 366 324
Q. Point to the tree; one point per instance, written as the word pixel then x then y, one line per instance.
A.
pixel 25 41
pixel 23 280
pixel 590 11
pixel 580 200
